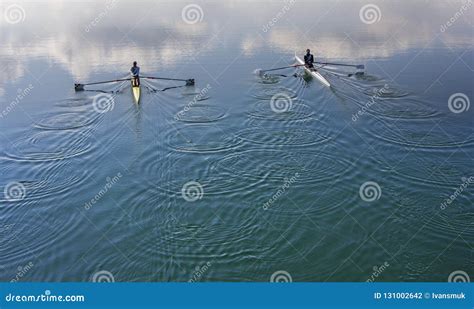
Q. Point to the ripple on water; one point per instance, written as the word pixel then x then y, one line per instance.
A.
pixel 42 236
pixel 267 93
pixel 287 137
pixel 45 180
pixel 445 221
pixel 393 103
pixel 296 110
pixel 279 165
pixel 449 224
pixel 269 79
pixel 201 113
pixel 195 94
pixel 211 184
pixel 384 91
pixel 50 145
pixel 192 239
pixel 200 138
pixel 408 108
pixel 366 85
pixel 323 201
pixel 75 102
pixel 66 121
pixel 171 172
pixel 430 171
pixel 418 135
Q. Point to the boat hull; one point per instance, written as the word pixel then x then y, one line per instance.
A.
pixel 136 94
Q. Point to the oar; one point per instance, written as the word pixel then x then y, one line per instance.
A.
pixel 80 87
pixel 358 66
pixel 287 67
pixel 342 74
pixel 263 73
pixel 189 82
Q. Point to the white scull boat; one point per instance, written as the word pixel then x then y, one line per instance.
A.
pixel 313 72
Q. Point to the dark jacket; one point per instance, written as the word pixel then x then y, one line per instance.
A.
pixel 308 60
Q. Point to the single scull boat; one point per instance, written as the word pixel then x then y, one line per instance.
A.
pixel 313 72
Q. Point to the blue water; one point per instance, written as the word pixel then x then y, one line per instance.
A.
pixel 242 175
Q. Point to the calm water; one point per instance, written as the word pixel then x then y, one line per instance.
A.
pixel 220 182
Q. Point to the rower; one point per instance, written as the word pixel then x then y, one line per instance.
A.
pixel 135 74
pixel 308 59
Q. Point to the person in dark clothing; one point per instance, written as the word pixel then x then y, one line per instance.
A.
pixel 308 59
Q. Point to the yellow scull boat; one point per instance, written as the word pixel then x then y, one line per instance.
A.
pixel 136 89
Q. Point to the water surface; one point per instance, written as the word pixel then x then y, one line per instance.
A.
pixel 222 181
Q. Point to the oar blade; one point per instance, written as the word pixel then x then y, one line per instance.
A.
pixel 259 72
pixel 78 87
